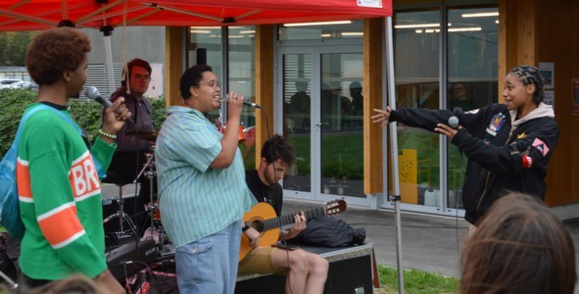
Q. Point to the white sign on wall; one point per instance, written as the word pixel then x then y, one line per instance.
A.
pixel 156 86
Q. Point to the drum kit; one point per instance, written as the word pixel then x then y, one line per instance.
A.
pixel 155 231
pixel 153 242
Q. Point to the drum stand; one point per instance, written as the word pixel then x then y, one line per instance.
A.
pixel 155 231
pixel 123 217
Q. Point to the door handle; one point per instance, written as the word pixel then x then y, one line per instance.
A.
pixel 319 123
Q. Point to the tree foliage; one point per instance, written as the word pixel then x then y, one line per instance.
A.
pixel 13 47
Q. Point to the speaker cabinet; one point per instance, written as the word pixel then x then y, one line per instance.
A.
pixel 352 270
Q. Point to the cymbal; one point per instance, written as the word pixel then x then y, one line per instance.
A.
pixel 145 135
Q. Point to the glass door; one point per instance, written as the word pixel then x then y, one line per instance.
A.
pixel 296 88
pixel 321 91
pixel 340 156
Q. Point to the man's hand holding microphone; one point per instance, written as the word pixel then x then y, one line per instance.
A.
pixel 115 114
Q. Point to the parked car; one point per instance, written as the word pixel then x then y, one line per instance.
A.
pixel 24 85
pixel 5 83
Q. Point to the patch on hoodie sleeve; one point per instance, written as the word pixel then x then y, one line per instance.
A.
pixel 541 146
pixel 527 161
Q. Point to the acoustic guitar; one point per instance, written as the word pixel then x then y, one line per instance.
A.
pixel 262 218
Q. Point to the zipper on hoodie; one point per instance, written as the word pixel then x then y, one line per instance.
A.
pixel 488 176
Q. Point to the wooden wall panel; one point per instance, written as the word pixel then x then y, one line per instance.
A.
pixel 502 46
pixel 571 58
pixel 552 48
pixel 530 32
pixel 558 43
pixel 372 91
pixel 264 72
pixel 174 60
pixel 519 31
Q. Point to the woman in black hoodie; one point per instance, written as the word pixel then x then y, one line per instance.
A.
pixel 508 145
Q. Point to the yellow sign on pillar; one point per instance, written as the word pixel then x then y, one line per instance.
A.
pixel 408 170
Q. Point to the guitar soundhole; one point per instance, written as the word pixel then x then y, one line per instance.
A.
pixel 258 226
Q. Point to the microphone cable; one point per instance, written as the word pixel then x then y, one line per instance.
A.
pixel 456 201
pixel 137 162
pixel 142 172
pixel 454 122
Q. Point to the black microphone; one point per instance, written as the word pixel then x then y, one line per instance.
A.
pixel 453 122
pixel 93 93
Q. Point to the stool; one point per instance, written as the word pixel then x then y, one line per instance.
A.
pixel 120 181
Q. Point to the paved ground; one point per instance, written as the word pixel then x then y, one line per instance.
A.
pixel 429 243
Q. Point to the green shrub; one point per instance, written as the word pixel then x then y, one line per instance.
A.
pixel 13 102
pixel 87 115
pixel 159 111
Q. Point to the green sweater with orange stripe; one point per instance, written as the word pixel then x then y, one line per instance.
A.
pixel 60 198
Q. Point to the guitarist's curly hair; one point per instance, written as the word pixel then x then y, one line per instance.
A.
pixel 277 147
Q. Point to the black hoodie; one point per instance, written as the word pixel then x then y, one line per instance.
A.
pixel 503 154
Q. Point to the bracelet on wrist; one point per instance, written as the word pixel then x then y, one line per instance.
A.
pixel 111 136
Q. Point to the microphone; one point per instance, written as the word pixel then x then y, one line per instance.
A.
pixel 246 103
pixel 93 93
pixel 453 122
pixel 251 104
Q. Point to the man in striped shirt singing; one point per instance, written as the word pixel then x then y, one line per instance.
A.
pixel 201 183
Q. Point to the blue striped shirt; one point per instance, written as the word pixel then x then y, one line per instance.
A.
pixel 195 200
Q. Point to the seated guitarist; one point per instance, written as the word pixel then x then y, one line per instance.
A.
pixel 306 272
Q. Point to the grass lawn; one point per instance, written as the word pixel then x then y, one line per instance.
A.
pixel 415 281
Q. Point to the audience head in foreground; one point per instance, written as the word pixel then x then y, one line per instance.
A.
pixel 519 247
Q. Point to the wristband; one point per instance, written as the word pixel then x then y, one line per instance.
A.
pixel 111 136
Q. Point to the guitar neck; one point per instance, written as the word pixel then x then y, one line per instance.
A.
pixel 287 219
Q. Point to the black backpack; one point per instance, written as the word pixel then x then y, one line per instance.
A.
pixel 329 231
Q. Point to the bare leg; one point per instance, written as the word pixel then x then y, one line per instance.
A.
pixel 307 271
pixel 317 273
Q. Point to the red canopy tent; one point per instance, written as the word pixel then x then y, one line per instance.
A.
pixel 26 15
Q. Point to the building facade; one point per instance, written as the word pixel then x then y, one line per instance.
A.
pixel 319 83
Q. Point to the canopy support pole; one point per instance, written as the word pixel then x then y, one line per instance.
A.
pixel 107 32
pixel 395 197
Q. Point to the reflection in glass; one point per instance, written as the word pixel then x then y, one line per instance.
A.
pixel 342 160
pixel 353 29
pixel 417 77
pixel 241 71
pixel 472 75
pixel 472 58
pixel 296 118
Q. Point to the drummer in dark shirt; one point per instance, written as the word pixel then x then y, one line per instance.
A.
pixel 134 140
